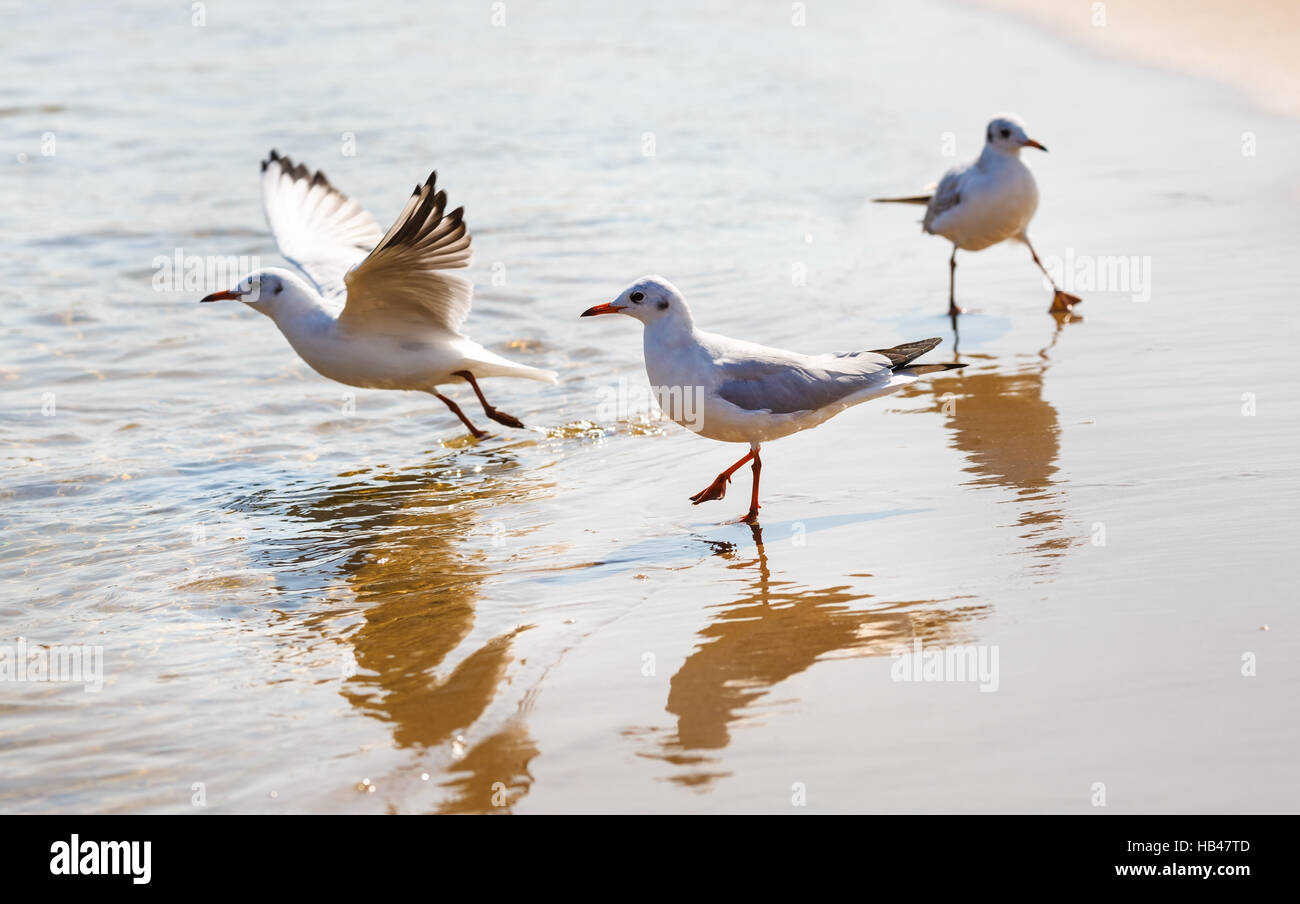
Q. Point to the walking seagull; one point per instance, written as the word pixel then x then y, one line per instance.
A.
pixel 739 392
pixel 986 201
pixel 381 310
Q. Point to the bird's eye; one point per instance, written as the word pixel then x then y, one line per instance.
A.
pixel 1006 133
pixel 279 289
pixel 636 297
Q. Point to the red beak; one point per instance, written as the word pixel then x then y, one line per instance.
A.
pixel 225 295
pixel 601 309
pixel 1030 143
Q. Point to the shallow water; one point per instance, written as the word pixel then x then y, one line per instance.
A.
pixel 315 601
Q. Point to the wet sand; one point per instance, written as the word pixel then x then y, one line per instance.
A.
pixel 1249 45
pixel 314 602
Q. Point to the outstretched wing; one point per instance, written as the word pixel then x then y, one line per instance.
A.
pixel 317 228
pixel 405 280
pixel 799 383
pixel 947 195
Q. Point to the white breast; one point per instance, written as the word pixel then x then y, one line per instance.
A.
pixel 997 203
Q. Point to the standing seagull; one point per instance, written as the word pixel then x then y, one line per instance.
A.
pixel 383 310
pixel 739 392
pixel 988 200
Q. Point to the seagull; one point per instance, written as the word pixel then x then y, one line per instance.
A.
pixel 739 392
pixel 986 201
pixel 377 310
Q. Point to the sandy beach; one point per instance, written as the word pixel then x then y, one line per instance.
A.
pixel 1249 45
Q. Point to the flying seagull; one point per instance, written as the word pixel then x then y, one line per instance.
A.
pixel 377 310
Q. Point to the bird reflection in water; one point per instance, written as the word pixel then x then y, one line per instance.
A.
pixel 415 576
pixel 1011 436
pixel 774 630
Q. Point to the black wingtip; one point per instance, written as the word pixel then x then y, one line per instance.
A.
pixel 920 370
pixel 902 355
pixel 428 183
pixel 296 171
pixel 914 199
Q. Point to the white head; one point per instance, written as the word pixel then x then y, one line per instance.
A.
pixel 268 291
pixel 650 299
pixel 1006 134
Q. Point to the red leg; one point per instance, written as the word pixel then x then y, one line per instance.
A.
pixel 953 310
pixel 499 416
pixel 455 409
pixel 718 488
pixel 757 467
pixel 1062 302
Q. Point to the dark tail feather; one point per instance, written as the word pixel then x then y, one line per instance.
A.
pixel 922 369
pixel 914 199
pixel 901 355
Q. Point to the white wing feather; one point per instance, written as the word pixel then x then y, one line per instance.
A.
pixel 947 195
pixel 404 282
pixel 317 228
